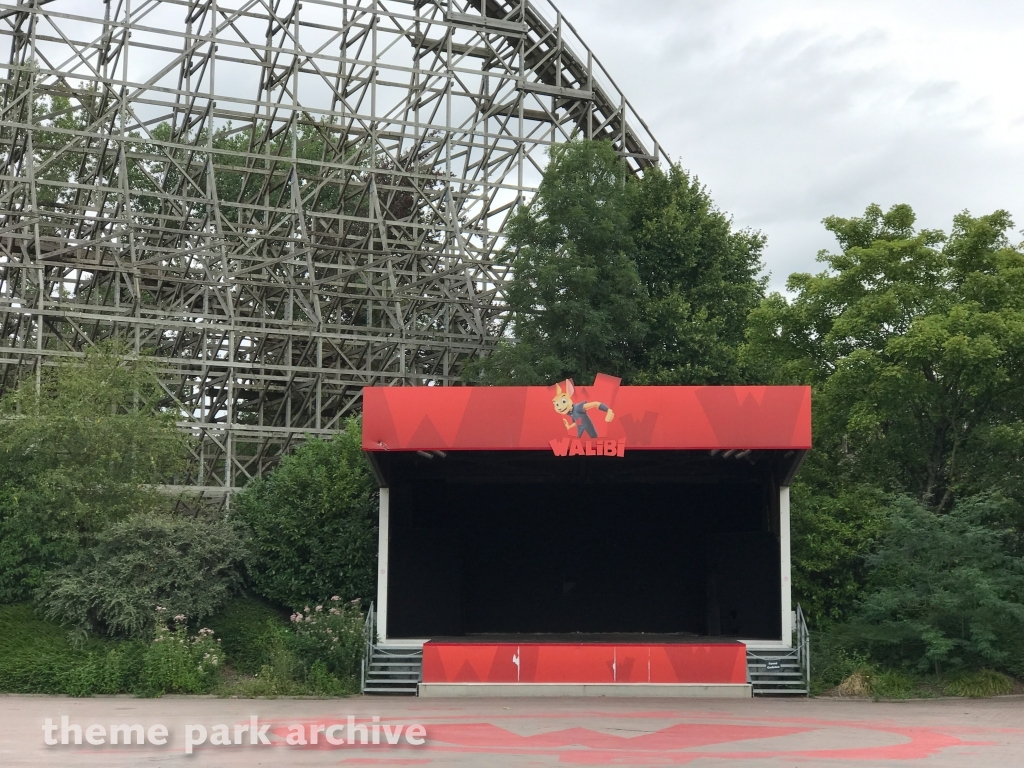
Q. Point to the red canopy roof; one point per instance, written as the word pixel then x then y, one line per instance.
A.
pixel 646 418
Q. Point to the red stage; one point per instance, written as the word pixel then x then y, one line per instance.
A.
pixel 604 513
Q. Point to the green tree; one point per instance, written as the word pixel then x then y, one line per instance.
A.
pixel 944 591
pixel 78 454
pixel 314 524
pixel 700 282
pixel 835 527
pixel 643 278
pixel 575 302
pixel 913 341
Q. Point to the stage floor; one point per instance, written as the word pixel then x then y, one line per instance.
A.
pixel 578 638
pixel 572 667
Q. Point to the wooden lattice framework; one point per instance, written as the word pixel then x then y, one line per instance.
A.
pixel 281 202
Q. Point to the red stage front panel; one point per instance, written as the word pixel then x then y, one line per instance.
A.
pixel 707 663
pixel 525 418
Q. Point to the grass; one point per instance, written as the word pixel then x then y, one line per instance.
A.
pixel 980 684
pixel 36 656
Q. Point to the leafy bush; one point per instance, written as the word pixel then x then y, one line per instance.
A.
pixel 943 591
pixel 277 658
pixel 893 684
pixel 833 662
pixel 250 632
pixel 185 565
pixel 977 685
pixel 834 529
pixel 332 637
pixel 177 662
pixel 314 523
pixel 81 453
pixel 322 683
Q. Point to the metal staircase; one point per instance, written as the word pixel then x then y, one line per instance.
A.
pixel 390 670
pixel 782 671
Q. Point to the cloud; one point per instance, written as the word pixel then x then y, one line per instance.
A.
pixel 796 110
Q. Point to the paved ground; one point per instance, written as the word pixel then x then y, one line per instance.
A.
pixel 518 732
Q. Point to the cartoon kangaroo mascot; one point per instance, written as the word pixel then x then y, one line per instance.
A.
pixel 577 412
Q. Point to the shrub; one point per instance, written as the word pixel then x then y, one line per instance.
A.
pixel 331 636
pixel 276 658
pixel 314 523
pixel 977 685
pixel 322 683
pixel 944 592
pixel 251 633
pixel 177 662
pixel 893 684
pixel 186 565
pixel 833 530
pixel 80 453
pixel 833 663
pixel 118 670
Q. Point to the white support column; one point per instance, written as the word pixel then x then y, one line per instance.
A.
pixel 382 565
pixel 786 569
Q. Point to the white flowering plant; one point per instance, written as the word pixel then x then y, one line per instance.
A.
pixel 330 633
pixel 180 662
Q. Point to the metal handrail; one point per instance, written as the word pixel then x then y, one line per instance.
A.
pixel 803 645
pixel 369 635
pixel 800 650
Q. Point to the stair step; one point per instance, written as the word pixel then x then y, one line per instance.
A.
pixel 413 674
pixel 396 667
pixel 394 670
pixel 394 676
pixel 384 686
pixel 776 673
pixel 779 686
pixel 787 677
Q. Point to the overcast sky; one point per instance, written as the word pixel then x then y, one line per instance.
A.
pixel 793 110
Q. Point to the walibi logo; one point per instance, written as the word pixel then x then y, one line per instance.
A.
pixel 576 416
pixel 568 446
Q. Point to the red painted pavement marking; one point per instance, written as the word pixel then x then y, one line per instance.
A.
pixel 594 748
pixel 670 745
